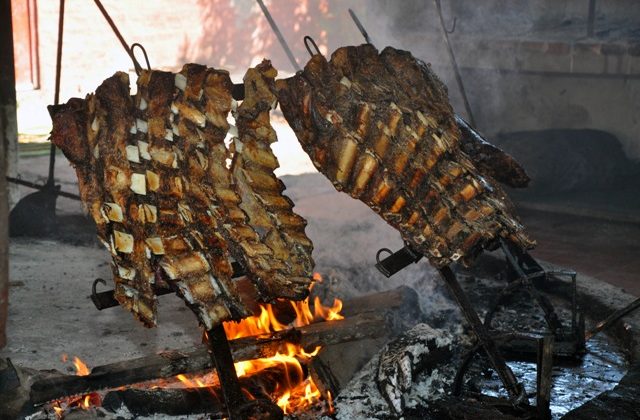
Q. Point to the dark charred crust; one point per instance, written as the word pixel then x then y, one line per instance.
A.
pixel 381 128
pixel 69 121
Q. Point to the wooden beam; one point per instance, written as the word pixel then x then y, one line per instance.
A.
pixel 8 136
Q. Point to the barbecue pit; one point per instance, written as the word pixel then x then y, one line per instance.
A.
pixel 522 272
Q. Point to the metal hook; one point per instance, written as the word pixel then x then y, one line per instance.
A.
pixel 453 27
pixel 307 40
pixel 380 251
pixel 93 287
pixel 136 64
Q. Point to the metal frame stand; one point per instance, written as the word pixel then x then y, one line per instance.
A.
pixel 406 256
pixel 514 389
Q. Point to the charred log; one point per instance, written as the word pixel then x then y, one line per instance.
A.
pixel 184 401
pixel 422 348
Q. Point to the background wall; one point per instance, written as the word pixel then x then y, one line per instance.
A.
pixel 525 65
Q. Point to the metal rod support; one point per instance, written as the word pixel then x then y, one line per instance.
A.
pixel 361 28
pixel 454 64
pixel 513 388
pixel 106 299
pixel 276 31
pixel 56 94
pixel 116 31
pixel 544 380
pixel 611 319
pixel 42 187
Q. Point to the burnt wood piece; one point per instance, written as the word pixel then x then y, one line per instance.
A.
pixel 174 402
pixel 490 159
pixel 420 349
pixel 323 375
pixel 184 401
pixel 172 363
pixel 380 127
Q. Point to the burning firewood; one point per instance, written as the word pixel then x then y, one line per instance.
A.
pixel 380 127
pixel 152 172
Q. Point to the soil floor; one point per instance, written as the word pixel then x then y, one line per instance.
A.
pixel 50 312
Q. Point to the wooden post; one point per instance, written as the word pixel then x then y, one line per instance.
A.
pixel 8 136
pixel 544 376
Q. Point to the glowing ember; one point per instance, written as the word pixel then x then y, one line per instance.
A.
pixel 299 392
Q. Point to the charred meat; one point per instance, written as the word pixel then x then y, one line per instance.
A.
pixel 153 174
pixel 380 127
pixel 269 211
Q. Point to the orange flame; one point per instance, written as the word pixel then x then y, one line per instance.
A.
pixel 296 393
pixel 84 402
pixel 300 391
pixel 81 367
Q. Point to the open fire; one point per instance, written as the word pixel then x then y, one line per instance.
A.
pixel 295 390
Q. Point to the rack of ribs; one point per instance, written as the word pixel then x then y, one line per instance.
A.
pixel 153 175
pixel 380 127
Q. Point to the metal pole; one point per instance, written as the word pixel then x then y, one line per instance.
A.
pixel 275 29
pixel 361 28
pixel 591 17
pixel 116 31
pixel 220 354
pixel 544 381
pixel 454 64
pixel 56 97
pixel 8 135
pixel 613 318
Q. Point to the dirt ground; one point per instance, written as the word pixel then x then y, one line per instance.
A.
pixel 50 313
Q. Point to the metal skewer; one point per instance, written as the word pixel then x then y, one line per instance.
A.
pixel 276 31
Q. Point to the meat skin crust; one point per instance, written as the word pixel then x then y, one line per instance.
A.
pixel 380 127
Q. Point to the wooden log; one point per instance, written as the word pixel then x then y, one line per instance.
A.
pixel 544 380
pixel 184 401
pixel 8 137
pixel 172 363
pixel 421 348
